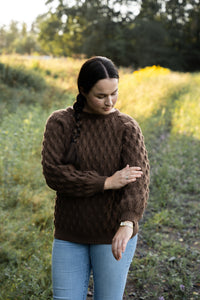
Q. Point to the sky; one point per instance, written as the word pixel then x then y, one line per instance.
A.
pixel 21 10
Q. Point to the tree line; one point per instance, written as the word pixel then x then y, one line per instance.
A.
pixel 132 33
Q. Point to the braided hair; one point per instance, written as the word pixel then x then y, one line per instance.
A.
pixel 93 70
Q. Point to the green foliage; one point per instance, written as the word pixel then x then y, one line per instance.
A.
pixel 49 36
pixel 166 105
pixel 17 76
pixel 26 45
pixel 140 32
pixel 32 85
pixel 163 32
pixel 152 37
pixel 12 39
pixel 22 197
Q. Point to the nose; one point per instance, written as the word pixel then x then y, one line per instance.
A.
pixel 108 101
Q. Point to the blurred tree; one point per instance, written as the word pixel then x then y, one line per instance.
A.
pixel 11 35
pixel 151 44
pixel 131 32
pixel 24 30
pixel 192 37
pixel 14 39
pixel 182 21
pixel 150 9
pixel 177 33
pixel 96 27
pixel 2 38
pixel 26 45
pixel 49 36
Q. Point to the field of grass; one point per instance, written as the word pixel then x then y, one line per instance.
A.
pixel 167 106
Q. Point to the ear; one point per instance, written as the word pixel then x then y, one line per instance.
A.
pixel 82 91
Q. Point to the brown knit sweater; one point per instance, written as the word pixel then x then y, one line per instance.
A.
pixel 84 212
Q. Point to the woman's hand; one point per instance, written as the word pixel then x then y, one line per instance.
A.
pixel 122 177
pixel 120 241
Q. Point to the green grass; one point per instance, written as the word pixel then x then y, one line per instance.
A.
pixel 168 255
pixel 166 263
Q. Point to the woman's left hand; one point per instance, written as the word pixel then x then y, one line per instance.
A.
pixel 120 241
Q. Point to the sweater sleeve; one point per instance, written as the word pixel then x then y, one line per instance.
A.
pixel 61 177
pixel 135 194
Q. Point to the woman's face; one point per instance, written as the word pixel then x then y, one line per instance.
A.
pixel 102 97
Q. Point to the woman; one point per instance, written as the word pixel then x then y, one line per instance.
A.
pixel 94 158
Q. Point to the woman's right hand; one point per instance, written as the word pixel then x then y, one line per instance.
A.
pixel 122 178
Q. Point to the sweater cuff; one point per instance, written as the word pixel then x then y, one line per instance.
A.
pixel 100 184
pixel 129 216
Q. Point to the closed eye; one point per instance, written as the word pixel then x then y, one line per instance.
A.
pixel 101 96
pixel 115 92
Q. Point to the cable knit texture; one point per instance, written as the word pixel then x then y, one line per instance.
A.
pixel 84 212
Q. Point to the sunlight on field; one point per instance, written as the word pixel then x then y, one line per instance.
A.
pixel 62 72
pixel 186 118
pixel 167 106
pixel 146 91
pixel 141 93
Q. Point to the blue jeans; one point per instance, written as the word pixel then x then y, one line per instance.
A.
pixel 72 264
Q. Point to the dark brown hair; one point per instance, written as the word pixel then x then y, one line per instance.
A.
pixel 93 70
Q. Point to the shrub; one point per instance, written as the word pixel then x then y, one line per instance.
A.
pixel 19 76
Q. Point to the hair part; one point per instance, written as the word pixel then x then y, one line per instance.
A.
pixel 93 70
